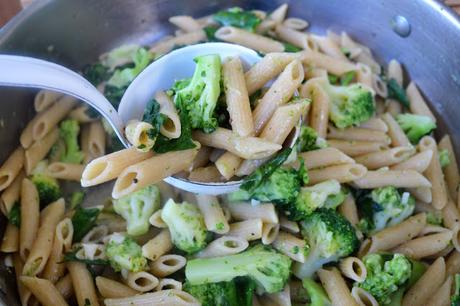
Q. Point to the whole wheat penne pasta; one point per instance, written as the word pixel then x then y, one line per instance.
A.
pixel 393 107
pixel 248 229
pixel 355 148
pixel 228 164
pixel 425 246
pixel 288 225
pixel 376 124
pixel 214 218
pixel 171 127
pixel 366 58
pixel 376 160
pixel 167 45
pixel 432 229
pixel 80 114
pixel 38 150
pixel 44 291
pixel 112 289
pixel 421 193
pixel 282 298
pixel 248 39
pixel 11 194
pixel 10 240
pixel 158 298
pixel 83 284
pixel 329 47
pixel 25 295
pixel 168 283
pixel 314 72
pixel 451 215
pixel 30 211
pixel 291 246
pixel 208 174
pixel 65 171
pixel 244 211
pixel 336 288
pixel 279 13
pixel 237 97
pixel 45 98
pixel 48 119
pixel 418 162
pixel 353 48
pixel 64 286
pixel 185 23
pixel 379 86
pixel 223 246
pixel 442 296
pixel 201 158
pixel 244 147
pixel 157 246
pixel 364 74
pixel 96 145
pixel 11 168
pixel 362 297
pixel 269 232
pixel 358 134
pixel 451 174
pixel 26 138
pixel 325 157
pixel 141 281
pixel 397 135
pixel 295 23
pixel 417 103
pixel 353 268
pixel 349 210
pixel 427 285
pixel 434 173
pixel 453 263
pixel 319 116
pixel 41 247
pixel 167 264
pixel 456 236
pixel 342 173
pixel 331 64
pixel 266 69
pixel 395 235
pixel 395 71
pixel 279 93
pixel 397 178
pixel 292 36
pixel 98 233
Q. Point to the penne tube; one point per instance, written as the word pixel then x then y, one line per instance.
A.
pixel 362 297
pixel 319 116
pixel 355 148
pixel 427 285
pixel 30 211
pixel 451 215
pixel 97 234
pixel 336 287
pixel 223 246
pixel 158 298
pixel 156 220
pixel 83 284
pixel 248 39
pixel 10 195
pixel 244 147
pixel 288 225
pixel 228 164
pixel 171 127
pixel 295 23
pixel 168 283
pixel 379 86
pixel 65 288
pixel 38 150
pixel 342 173
pixel 151 171
pixel 96 144
pixel 294 37
pixel 45 98
pixel 425 246
pixel 112 289
pixel 291 246
pixel 421 193
pixel 249 229
pixel 417 104
pixel 282 297
pixel 453 263
pixel 11 168
pixel 269 232
pixel 208 174
pixel 167 265
pixel 314 72
pixel 451 174
pixel 245 211
pixel 434 173
pixel 25 295
pixel 65 171
pixel 364 74
pixel 166 45
pixel 349 210
pixel 396 178
pixel 185 23
pixel 10 240
pixel 331 64
pixel 358 134
pixel 324 158
pixel 202 158
pixel 376 124
pixel 395 71
pixel 442 295
pixel 329 47
pixel 80 114
pixel 44 291
pixel 157 246
pixel 354 269
pixel 418 162
pixel 141 281
pixel 397 135
pixel 279 13
pixel 213 215
pixel 385 158
pixel 41 247
pixel 393 107
pixel 26 138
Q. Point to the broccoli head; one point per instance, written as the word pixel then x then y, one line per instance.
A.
pixel 311 198
pixel 349 105
pixel 137 207
pixel 124 253
pixel 455 298
pixel 415 126
pixel 68 132
pixel 268 268
pixel 318 297
pixel 309 140
pixel 386 273
pixel 186 225
pixel 48 187
pixel 198 96
pixel 238 18
pixel 444 158
pixel 330 237
pixel 384 207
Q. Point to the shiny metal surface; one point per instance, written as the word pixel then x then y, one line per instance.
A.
pixel 75 32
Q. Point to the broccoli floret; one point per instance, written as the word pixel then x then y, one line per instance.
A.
pixel 384 207
pixel 124 253
pixel 415 126
pixel 349 105
pixel 386 273
pixel 136 208
pixel 199 97
pixel 395 91
pixel 444 158
pixel 47 186
pixel 268 268
pixel 455 298
pixel 314 197
pixel 434 217
pixel 76 199
pixel 68 132
pixel 238 18
pixel 83 220
pixel 418 268
pixel 186 225
pixel 96 73
pixel 309 140
pixel 330 237
pixel 318 297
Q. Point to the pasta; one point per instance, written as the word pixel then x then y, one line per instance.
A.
pixel 30 211
pixel 167 265
pixel 160 298
pixel 111 289
pixel 11 168
pixel 225 245
pixel 244 211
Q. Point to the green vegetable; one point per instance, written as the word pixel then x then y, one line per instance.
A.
pixel 186 225
pixel 415 126
pixel 330 237
pixel 395 91
pixel 455 299
pixel 72 256
pixel 434 217
pixel 333 79
pixel 444 158
pixel 291 48
pixel 318 297
pixel 119 57
pixel 236 17
pixel 347 78
pixel 383 207
pixel 386 273
pixel 47 186
pixel 124 253
pixel 211 33
pixel 153 116
pixel 137 207
pixel 76 199
pixel 114 94
pixel 199 97
pixel 309 140
pixel 68 132
pixel 418 269
pixel 83 220
pixel 96 73
pixel 14 216
pixel 268 268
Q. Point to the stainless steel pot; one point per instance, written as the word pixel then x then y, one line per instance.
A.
pixel 75 32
